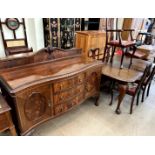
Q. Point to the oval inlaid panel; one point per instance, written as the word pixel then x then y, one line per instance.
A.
pixel 35 106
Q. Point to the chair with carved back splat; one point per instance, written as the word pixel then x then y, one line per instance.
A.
pixel 14 44
pixel 138 42
pixel 114 40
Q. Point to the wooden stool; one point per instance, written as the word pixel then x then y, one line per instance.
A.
pixel 5 117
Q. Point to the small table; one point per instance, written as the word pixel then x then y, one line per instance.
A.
pixel 5 117
pixel 124 76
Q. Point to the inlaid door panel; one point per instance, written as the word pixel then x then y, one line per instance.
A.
pixel 34 105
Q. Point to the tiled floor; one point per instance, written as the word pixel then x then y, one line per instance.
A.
pixel 90 120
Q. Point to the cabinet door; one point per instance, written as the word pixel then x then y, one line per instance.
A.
pixel 93 82
pixel 33 106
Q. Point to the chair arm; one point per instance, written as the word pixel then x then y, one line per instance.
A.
pixel 114 30
pixel 129 30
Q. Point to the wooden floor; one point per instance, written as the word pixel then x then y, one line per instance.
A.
pixel 89 120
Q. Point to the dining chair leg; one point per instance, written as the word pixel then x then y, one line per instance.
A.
pixel 123 53
pixel 108 54
pixel 138 98
pixel 134 50
pixel 105 51
pixel 131 106
pixel 113 52
pixel 143 95
pixel 148 89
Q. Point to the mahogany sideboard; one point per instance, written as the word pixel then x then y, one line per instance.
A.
pixel 46 84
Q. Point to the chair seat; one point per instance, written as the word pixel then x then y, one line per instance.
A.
pixel 124 43
pixel 131 90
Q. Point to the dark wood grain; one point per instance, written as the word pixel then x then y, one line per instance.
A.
pixel 52 83
pixel 5 117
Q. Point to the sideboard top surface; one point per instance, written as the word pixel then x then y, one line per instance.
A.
pixel 21 77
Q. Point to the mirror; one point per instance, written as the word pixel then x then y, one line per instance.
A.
pixel 12 23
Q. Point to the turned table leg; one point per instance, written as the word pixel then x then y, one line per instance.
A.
pixel 122 91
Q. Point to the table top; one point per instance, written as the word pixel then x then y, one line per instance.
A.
pixel 125 75
pixel 122 75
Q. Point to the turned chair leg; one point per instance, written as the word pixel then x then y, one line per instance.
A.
pixel 131 106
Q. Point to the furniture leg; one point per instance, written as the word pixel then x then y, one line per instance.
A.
pixel 13 131
pixel 105 50
pixel 122 91
pixel 138 98
pixel 96 100
pixel 123 53
pixel 11 126
pixel 143 95
pixel 134 50
pixel 148 89
pixel 108 54
pixel 113 51
pixel 131 107
pixel 112 95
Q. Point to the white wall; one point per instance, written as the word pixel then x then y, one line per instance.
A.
pixel 35 35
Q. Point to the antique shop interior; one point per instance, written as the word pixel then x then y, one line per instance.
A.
pixel 77 76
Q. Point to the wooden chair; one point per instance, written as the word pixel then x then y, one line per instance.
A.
pixel 134 89
pixel 147 83
pixel 114 40
pixel 14 44
pixel 138 42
